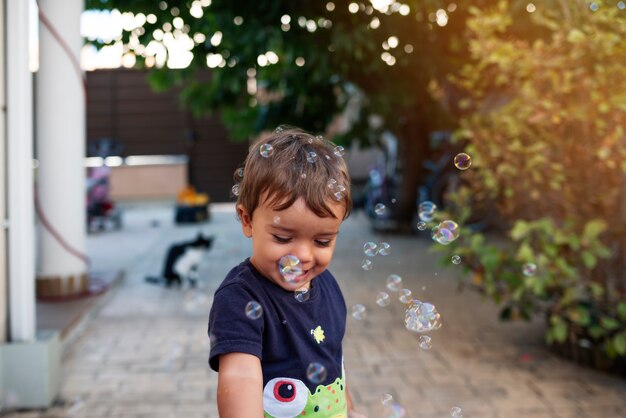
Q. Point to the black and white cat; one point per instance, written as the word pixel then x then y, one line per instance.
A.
pixel 182 261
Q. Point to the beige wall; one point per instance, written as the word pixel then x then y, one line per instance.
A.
pixel 147 181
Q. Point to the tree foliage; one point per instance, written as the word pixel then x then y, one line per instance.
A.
pixel 375 63
pixel 544 119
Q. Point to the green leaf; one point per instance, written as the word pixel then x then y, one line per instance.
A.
pixel 621 310
pixel 520 230
pixel 560 331
pixel 593 229
pixel 609 323
pixel 619 343
pixel 525 252
pixel 596 331
pixel 589 260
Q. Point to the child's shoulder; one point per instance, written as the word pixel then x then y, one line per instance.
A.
pixel 240 275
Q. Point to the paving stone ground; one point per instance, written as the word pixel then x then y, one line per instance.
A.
pixel 144 354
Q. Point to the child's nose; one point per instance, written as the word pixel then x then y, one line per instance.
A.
pixel 304 252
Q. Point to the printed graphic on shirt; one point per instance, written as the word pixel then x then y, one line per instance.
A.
pixel 318 334
pixel 285 397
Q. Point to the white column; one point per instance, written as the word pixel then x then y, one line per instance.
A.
pixel 19 116
pixel 3 193
pixel 60 135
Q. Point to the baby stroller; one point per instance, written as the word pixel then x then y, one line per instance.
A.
pixel 101 209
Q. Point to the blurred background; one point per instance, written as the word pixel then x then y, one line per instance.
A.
pixel 487 150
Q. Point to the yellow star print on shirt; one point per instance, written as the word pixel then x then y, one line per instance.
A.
pixel 318 334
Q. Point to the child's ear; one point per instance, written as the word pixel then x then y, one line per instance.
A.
pixel 246 220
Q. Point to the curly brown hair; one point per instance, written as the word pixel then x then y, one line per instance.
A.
pixel 289 164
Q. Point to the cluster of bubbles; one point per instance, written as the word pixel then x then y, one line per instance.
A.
pixel 290 267
pixel 338 190
pixel 316 373
pixel 339 151
pixel 462 161
pixel 372 249
pixel 422 317
pixel 446 232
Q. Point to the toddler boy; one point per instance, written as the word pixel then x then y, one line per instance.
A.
pixel 276 329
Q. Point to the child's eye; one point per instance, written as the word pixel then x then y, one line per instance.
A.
pixel 281 240
pixel 323 243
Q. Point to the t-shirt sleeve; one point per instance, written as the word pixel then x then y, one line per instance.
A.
pixel 230 329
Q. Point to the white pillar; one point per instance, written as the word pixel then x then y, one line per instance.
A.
pixel 3 193
pixel 19 116
pixel 60 135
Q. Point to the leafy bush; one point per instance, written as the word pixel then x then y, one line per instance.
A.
pixel 544 116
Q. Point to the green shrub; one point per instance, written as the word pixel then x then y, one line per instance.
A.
pixel 544 117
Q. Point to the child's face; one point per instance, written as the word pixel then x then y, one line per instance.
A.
pixel 295 230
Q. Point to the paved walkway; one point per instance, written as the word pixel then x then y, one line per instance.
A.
pixel 145 352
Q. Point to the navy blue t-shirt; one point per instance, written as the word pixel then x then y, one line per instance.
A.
pixel 287 338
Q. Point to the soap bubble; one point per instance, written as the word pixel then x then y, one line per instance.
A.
pixel 394 410
pixel 370 249
pixel 279 129
pixel 266 150
pixel 380 209
pixel 382 299
pixel 445 232
pixel 302 295
pixel 529 269
pixel 422 317
pixel 456 412
pixel 316 373
pixel 366 264
pixel 339 151
pixel 386 398
pixel 254 310
pixel 358 311
pixel 425 342
pixel 456 259
pixel 394 282
pixel 332 183
pixel 421 225
pixel 235 189
pixel 384 248
pixel 311 157
pixel 290 268
pixel 276 220
pixel 405 296
pixel 240 173
pixel 462 161
pixel 426 211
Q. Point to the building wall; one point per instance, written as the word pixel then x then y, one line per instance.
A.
pixel 121 105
